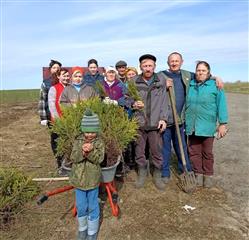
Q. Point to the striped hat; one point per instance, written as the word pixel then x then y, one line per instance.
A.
pixel 90 122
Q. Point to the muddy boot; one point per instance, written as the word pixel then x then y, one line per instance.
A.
pixel 93 227
pixel 82 233
pixel 157 179
pixel 165 180
pixel 142 174
pixel 92 237
pixel 208 181
pixel 199 179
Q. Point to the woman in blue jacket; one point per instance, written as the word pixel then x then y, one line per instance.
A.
pixel 93 75
pixel 205 106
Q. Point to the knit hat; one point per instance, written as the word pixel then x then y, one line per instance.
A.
pixel 121 63
pixel 77 69
pixel 90 122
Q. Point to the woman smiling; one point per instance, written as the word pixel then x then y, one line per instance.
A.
pixel 205 106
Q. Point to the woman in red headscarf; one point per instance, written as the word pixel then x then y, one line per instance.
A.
pixel 77 91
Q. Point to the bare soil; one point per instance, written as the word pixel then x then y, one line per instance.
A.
pixel 221 212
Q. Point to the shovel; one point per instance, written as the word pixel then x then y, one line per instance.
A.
pixel 187 179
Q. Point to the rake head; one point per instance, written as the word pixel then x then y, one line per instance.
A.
pixel 188 182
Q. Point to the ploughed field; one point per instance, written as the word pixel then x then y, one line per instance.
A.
pixel 221 212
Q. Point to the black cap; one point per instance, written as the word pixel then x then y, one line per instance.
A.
pixel 147 56
pixel 121 63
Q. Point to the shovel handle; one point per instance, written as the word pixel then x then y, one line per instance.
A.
pixel 177 127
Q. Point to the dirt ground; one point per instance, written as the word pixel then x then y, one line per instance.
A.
pixel 221 212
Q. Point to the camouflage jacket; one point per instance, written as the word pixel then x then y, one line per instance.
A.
pixel 86 171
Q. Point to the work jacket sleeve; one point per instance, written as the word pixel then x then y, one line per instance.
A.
pixel 43 102
pixel 76 154
pixel 222 107
pixel 122 101
pixel 165 106
pixel 52 103
pixel 96 156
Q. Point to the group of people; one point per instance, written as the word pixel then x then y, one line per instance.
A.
pixel 200 104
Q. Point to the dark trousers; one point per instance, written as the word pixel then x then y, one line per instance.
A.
pixel 53 143
pixel 129 155
pixel 170 136
pixel 201 154
pixel 155 148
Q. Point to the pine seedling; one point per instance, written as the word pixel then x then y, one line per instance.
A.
pixel 133 92
pixel 100 89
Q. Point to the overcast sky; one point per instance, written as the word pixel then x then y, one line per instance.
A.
pixel 33 32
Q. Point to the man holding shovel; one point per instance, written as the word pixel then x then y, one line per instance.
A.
pixel 181 79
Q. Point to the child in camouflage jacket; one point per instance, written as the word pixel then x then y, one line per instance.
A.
pixel 87 154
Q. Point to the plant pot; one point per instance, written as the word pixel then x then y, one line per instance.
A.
pixel 108 173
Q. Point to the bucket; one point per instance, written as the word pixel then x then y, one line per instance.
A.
pixel 108 173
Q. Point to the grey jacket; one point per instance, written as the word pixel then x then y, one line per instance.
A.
pixel 156 102
pixel 70 95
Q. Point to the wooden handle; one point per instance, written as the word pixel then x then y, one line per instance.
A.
pixel 50 179
pixel 177 127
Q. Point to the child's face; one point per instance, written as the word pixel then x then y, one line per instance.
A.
pixel 90 136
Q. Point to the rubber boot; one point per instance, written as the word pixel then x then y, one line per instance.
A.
pixel 93 227
pixel 199 179
pixel 165 180
pixel 157 179
pixel 208 181
pixel 142 174
pixel 82 233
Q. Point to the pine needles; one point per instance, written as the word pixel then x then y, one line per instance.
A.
pixel 15 190
pixel 117 130
pixel 100 89
pixel 133 92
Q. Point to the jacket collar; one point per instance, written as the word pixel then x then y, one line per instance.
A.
pixel 207 82
pixel 88 74
pixel 116 82
pixel 140 79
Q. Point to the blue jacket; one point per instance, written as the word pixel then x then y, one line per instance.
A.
pixel 205 105
pixel 91 80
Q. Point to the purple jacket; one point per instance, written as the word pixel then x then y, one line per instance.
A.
pixel 116 91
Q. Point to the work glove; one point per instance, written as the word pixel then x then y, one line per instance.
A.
pixel 114 102
pixel 107 100
pixel 44 122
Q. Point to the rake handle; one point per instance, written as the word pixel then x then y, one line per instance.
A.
pixel 177 128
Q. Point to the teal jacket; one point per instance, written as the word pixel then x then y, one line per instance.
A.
pixel 205 106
